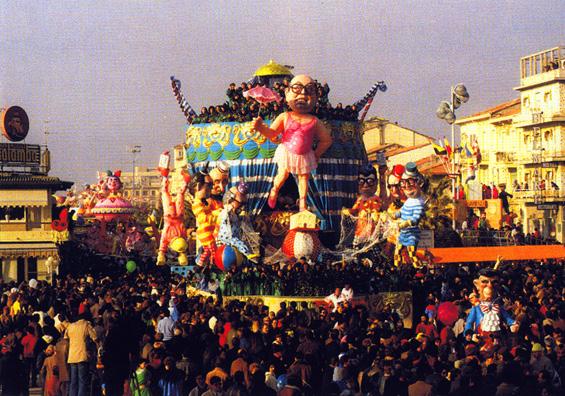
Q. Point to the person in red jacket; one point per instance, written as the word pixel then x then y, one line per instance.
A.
pixel 28 343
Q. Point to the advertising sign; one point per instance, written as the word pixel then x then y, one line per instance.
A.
pixel 20 154
pixel 14 123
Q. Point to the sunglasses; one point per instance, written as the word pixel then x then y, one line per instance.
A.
pixel 309 89
pixel 409 182
pixel 370 181
pixel 391 186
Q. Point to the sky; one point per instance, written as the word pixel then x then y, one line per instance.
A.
pixel 95 74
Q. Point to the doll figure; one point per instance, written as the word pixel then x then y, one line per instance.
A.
pixel 486 316
pixel 173 219
pixel 234 227
pixel 367 206
pixel 410 214
pixel 220 176
pixel 298 128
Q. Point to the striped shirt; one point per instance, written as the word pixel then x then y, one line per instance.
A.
pixel 205 222
pixel 412 210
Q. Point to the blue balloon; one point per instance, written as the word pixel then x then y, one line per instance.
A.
pixel 282 381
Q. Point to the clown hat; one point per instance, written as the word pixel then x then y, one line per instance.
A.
pixel 411 171
pixel 397 171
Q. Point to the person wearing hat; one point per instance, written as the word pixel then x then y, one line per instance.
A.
pixel 393 203
pixel 233 228
pixel 539 362
pixel 486 317
pixel 412 211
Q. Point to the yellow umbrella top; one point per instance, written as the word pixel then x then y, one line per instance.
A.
pixel 272 69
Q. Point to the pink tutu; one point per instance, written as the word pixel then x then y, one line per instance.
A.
pixel 298 164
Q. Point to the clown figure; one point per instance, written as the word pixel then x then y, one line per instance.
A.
pixel 233 226
pixel 205 216
pixel 486 317
pixel 298 128
pixel 394 200
pixel 367 206
pixel 410 214
pixel 173 219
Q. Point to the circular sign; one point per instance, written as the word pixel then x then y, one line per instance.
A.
pixel 14 123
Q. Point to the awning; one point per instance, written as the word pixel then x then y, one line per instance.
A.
pixel 39 250
pixel 23 198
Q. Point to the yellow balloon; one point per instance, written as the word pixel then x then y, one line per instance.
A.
pixel 179 245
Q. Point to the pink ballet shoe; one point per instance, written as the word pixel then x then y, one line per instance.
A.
pixel 272 201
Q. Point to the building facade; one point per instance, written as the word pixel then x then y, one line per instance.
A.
pixel 147 189
pixel 28 248
pixel 522 143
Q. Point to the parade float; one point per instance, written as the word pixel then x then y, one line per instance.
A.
pixel 250 156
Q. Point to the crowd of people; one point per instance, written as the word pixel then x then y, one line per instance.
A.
pixel 141 334
pixel 239 108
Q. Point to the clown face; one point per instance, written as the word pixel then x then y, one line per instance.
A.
pixel 114 183
pixel 302 94
pixel 219 182
pixel 411 186
pixel 393 184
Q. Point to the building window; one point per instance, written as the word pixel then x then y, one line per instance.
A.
pixel 16 213
pixel 547 97
pixel 32 268
pixel 526 101
pixel 21 269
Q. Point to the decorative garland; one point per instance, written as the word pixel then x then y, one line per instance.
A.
pixel 187 110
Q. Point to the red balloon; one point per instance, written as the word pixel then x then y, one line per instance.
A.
pixel 447 313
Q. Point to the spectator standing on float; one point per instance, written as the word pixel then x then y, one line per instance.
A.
pixel 503 196
pixel 78 333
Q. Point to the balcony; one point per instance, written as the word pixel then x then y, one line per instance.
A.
pixel 547 159
pixel 542 67
pixel 544 195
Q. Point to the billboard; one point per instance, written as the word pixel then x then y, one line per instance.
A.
pixel 20 154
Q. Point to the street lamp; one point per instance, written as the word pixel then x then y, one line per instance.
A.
pixel 133 150
pixel 446 111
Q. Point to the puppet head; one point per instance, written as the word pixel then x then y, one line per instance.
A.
pixel 393 183
pixel 367 180
pixel 412 181
pixel 220 178
pixel 237 196
pixel 201 185
pixel 486 284
pixel 113 181
pixel 302 94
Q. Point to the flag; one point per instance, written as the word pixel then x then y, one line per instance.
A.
pixel 468 152
pixel 438 149
pixel 447 147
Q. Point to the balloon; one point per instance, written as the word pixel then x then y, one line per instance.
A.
pixel 131 266
pixel 226 257
pixel 447 313
pixel 301 244
pixel 282 381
